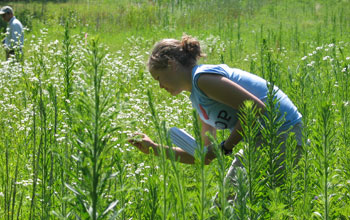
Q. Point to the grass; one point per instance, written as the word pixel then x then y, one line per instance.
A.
pixel 67 110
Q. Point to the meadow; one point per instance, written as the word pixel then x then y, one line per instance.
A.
pixel 68 108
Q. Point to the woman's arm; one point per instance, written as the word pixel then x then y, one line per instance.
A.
pixel 223 90
pixel 144 143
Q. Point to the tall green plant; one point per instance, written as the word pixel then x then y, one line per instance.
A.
pixel 240 204
pixel 162 152
pixel 304 91
pixel 325 151
pixel 92 132
pixel 272 123
pixel 178 185
pixel 68 63
pixel 290 170
pixel 202 183
pixel 221 206
pixel 251 159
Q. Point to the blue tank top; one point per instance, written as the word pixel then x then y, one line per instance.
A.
pixel 222 116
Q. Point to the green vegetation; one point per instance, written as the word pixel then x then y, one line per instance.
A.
pixel 67 110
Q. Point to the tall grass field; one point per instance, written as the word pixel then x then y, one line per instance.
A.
pixel 68 108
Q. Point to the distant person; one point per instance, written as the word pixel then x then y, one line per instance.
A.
pixel 14 33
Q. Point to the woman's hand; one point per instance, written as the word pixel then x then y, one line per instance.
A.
pixel 142 142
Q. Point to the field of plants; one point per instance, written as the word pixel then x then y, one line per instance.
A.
pixel 69 107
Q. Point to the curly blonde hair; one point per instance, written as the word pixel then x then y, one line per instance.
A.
pixel 186 52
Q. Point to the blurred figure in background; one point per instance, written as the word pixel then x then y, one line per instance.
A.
pixel 13 41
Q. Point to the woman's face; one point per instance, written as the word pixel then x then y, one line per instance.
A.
pixel 168 79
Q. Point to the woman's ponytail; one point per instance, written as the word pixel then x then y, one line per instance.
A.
pixel 186 52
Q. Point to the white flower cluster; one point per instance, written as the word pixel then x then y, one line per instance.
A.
pixel 214 45
pixel 327 53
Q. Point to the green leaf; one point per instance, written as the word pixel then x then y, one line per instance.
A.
pixel 110 207
pixel 73 189
pixel 318 214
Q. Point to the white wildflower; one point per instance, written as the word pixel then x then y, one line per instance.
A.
pixel 311 64
pixel 60 139
pixel 138 171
